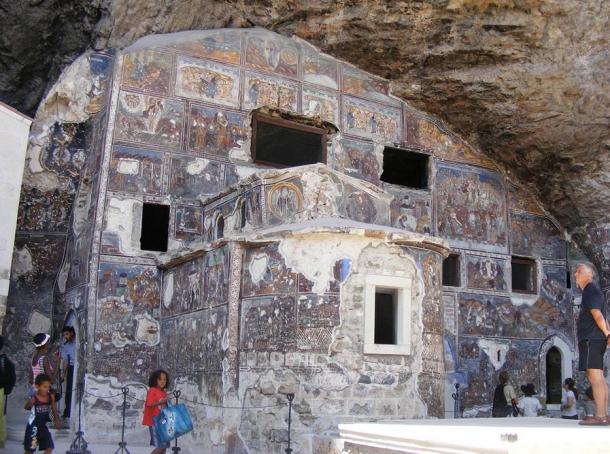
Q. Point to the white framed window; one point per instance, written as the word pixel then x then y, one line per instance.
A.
pixel 387 315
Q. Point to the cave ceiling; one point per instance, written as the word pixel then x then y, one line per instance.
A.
pixel 525 80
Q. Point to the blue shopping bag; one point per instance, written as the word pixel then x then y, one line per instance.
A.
pixel 172 422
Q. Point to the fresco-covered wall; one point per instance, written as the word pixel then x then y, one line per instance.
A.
pixel 177 131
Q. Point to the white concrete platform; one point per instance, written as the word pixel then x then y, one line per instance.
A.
pixel 480 436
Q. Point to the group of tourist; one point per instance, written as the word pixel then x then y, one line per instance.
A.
pixel 593 333
pixel 47 373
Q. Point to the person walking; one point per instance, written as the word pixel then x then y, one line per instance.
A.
pixel 593 337
pixel 156 399
pixel 41 364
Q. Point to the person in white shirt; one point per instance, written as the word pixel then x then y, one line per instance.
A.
pixel 568 400
pixel 529 405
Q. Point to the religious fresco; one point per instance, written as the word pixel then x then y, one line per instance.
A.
pixel 533 235
pixel 215 45
pixel 188 223
pixel 371 121
pixel 319 69
pixel 423 133
pixel 193 177
pixel 356 159
pixel 359 205
pixel 126 334
pixel 284 201
pixel 216 276
pixel 520 199
pixel 341 271
pixel 149 119
pixel 266 53
pixel 207 81
pixel 322 104
pixel 486 273
pixel 216 131
pixel 265 273
pixel 362 84
pixel 44 211
pixel 471 205
pixel 316 317
pixel 269 91
pixel 68 147
pixel 100 66
pixel 553 292
pixel 182 288
pixel 77 259
pixel 147 70
pixel 411 210
pixel 488 315
pixel 135 170
pixel 268 324
pixel 520 361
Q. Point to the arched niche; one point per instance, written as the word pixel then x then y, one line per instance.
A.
pixel 554 345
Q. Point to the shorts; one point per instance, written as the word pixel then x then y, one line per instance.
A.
pixel 155 440
pixel 591 354
pixel 37 437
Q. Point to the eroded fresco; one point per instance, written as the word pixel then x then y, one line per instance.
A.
pixel 149 119
pixel 521 199
pixel 44 211
pixel 356 159
pixel 183 288
pixel 216 276
pixel 411 210
pixel 284 201
pixel 486 273
pixel 270 91
pixel 319 69
pixel 321 103
pixel 266 53
pixel 135 170
pixel 216 131
pixel 207 81
pixel 126 333
pixel 192 177
pixel 371 121
pixel 471 205
pixel 188 223
pixel 100 66
pixel 68 149
pixel 147 70
pixel 362 84
pixel 536 236
pixel 268 324
pixel 215 45
pixel 265 272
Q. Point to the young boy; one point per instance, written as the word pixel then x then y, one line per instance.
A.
pixel 42 405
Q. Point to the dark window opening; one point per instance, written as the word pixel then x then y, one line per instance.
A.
pixel 242 215
pixel 220 227
pixel 451 271
pixel 155 227
pixel 385 317
pixel 523 275
pixel 568 279
pixel 283 143
pixel 405 168
pixel 553 376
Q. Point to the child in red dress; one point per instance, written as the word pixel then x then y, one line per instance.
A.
pixel 156 399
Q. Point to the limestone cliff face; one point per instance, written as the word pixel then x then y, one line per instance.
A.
pixel 526 80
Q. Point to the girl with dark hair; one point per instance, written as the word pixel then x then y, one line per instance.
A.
pixel 156 398
pixel 41 363
pixel 568 400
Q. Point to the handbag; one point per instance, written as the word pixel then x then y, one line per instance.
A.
pixel 173 422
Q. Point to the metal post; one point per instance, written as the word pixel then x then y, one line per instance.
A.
pixel 79 445
pixel 176 449
pixel 290 397
pixel 456 401
pixel 123 445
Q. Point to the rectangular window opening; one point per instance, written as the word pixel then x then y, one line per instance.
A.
pixel 155 227
pixel 385 317
pixel 568 279
pixel 405 168
pixel 523 275
pixel 283 143
pixel 451 271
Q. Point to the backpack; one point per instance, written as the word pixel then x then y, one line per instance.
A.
pixel 7 374
pixel 499 403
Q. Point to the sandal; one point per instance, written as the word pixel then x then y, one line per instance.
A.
pixel 594 421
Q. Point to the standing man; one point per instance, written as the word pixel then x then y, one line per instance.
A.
pixel 68 351
pixel 593 338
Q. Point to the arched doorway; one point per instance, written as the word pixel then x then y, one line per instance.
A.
pixel 553 376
